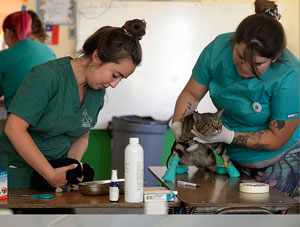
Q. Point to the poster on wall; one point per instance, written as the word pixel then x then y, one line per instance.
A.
pixel 56 12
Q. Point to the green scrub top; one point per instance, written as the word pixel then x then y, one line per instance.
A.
pixel 17 61
pixel 48 100
pixel 250 103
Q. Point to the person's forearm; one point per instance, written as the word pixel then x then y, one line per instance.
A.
pixel 189 99
pixel 275 137
pixel 258 140
pixel 184 106
pixel 27 149
pixel 78 148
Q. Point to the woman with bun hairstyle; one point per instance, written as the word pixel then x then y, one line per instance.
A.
pixel 252 76
pixel 59 102
pixel 22 54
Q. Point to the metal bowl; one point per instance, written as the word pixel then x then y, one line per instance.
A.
pixel 99 187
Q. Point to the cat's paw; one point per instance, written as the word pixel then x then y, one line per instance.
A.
pixel 232 171
pixel 169 175
pixel 73 187
pixel 58 190
pixel 221 170
pixel 171 171
pixel 181 169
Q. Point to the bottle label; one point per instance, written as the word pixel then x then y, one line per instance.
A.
pixel 113 194
pixel 140 174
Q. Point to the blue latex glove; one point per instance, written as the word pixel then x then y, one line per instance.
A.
pixel 171 171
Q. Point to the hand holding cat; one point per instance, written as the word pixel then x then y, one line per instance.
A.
pixel 176 129
pixel 226 136
pixel 59 178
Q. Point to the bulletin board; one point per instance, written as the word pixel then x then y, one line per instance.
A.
pixel 56 12
pixel 175 36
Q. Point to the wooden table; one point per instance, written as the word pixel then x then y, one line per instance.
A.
pixel 220 193
pixel 66 200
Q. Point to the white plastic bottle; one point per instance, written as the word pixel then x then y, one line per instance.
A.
pixel 114 193
pixel 134 171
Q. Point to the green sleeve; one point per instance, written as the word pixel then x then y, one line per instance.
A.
pixel 201 69
pixel 1 75
pixel 34 94
pixel 285 102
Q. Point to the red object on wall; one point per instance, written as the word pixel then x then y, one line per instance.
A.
pixel 55 34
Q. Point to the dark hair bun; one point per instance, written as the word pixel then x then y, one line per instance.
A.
pixel 262 5
pixel 136 28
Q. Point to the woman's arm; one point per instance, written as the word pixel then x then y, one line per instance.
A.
pixel 16 131
pixel 79 147
pixel 189 99
pixel 273 138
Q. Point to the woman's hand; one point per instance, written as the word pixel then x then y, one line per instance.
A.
pixel 176 129
pixel 226 136
pixel 58 177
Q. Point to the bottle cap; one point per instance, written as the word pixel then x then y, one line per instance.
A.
pixel 134 140
pixel 114 175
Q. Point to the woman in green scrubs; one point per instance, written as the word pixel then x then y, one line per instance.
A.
pixel 23 54
pixel 252 75
pixel 59 101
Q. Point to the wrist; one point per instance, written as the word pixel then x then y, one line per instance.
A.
pixel 230 137
pixel 176 124
pixel 176 129
pixel 50 174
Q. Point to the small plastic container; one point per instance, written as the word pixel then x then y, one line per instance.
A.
pixel 3 184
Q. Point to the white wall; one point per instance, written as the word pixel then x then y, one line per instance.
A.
pixel 176 34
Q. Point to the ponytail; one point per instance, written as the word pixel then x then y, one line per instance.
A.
pixel 19 23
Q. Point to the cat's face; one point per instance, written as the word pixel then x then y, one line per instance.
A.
pixel 208 124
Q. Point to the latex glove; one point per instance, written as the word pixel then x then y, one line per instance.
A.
pixel 226 136
pixel 176 128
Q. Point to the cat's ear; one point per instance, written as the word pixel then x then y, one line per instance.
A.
pixel 196 116
pixel 220 112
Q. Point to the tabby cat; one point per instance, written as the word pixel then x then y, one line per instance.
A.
pixel 201 155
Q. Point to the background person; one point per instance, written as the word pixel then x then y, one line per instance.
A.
pixel 22 54
pixel 38 30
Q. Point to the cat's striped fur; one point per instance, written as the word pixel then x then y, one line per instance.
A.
pixel 198 154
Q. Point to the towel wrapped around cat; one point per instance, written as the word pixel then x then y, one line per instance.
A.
pixel 186 151
pixel 82 173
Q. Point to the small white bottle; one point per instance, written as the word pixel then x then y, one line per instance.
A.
pixel 134 171
pixel 114 193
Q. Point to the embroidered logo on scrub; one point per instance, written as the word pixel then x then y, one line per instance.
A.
pixel 86 120
pixel 256 107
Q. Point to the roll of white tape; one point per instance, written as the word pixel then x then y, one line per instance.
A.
pixel 254 187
